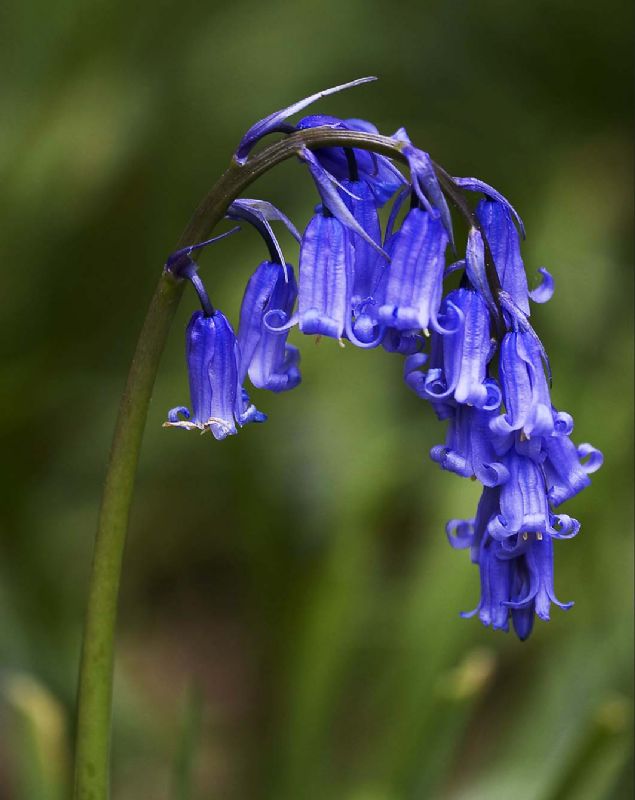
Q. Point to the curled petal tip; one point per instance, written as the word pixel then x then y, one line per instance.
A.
pixel 544 291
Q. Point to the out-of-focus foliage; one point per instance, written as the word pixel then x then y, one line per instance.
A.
pixel 296 578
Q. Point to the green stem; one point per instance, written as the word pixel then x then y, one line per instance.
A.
pixel 96 666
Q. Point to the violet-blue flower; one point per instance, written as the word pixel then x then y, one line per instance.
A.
pixel 473 355
pixel 567 467
pixel 468 450
pixel 218 401
pixel 467 350
pixel 265 355
pixel 409 292
pixel 502 236
pixel 326 257
pixel 524 505
pixel 516 579
pixel 525 391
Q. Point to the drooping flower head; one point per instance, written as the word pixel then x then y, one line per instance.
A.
pixel 472 354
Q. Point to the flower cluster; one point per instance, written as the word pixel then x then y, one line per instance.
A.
pixel 469 351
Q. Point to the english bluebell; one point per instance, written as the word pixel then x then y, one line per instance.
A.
pixel 409 292
pixel 265 356
pixel 567 467
pixel 516 578
pixel 472 354
pixel 217 398
pixel 525 390
pixel 501 234
pixel 326 258
pixel 524 505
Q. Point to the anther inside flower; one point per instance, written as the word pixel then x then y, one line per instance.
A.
pixel 470 352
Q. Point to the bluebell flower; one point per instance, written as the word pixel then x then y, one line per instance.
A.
pixel 495 573
pixel 218 401
pixel 502 236
pixel 567 467
pixel 524 505
pixel 408 296
pixel 325 305
pixel 472 355
pixel 516 581
pixel 468 450
pixel 525 390
pixel 367 263
pixel 326 258
pixel 467 351
pixel 265 355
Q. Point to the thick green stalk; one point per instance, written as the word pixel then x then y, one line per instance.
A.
pixel 96 666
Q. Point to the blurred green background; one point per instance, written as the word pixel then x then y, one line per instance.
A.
pixel 289 621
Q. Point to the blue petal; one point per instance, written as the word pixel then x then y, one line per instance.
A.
pixel 460 533
pixel 544 292
pixel 367 265
pixel 475 266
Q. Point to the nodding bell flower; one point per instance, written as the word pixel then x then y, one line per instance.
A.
pixel 467 349
pixel 408 296
pixel 501 234
pixel 516 576
pixel 367 263
pixel 468 450
pixel 266 357
pixel 524 505
pixel 567 467
pixel 218 400
pixel 525 390
pixel 326 260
